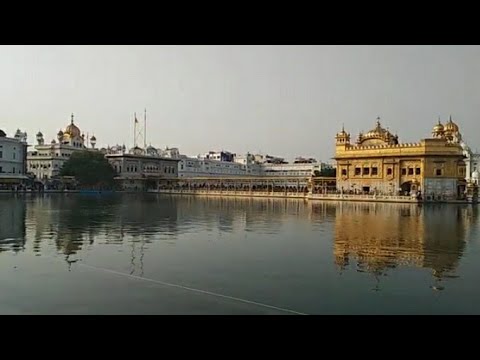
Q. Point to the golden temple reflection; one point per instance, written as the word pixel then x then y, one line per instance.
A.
pixel 378 236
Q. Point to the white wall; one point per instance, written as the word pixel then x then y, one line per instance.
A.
pixel 47 160
pixel 194 167
pixel 12 156
pixel 291 169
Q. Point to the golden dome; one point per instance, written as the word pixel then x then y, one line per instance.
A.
pixel 451 126
pixel 342 137
pixel 439 127
pixel 341 133
pixel 377 132
pixel 72 129
pixel 378 135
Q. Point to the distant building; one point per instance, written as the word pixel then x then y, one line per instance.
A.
pixel 302 169
pixel 278 166
pixel 197 167
pixel 225 156
pixel 252 166
pixel 301 160
pixel 268 159
pixel 47 159
pixel 472 162
pixel 13 158
pixel 141 169
pixel 247 165
pixel 172 153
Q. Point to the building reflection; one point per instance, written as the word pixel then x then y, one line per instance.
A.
pixel 368 237
pixel 231 214
pixel 374 237
pixel 73 222
pixel 12 223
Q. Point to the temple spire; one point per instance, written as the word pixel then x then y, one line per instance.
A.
pixel 72 119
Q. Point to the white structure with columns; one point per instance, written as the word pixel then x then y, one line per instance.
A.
pixel 472 161
pixel 46 160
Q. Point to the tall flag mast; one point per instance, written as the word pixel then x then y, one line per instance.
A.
pixel 145 131
pixel 135 131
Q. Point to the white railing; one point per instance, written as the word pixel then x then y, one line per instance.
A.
pixel 232 193
pixel 363 197
pixel 299 195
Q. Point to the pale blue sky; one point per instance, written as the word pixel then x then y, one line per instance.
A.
pixel 283 100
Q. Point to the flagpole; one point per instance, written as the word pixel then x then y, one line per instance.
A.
pixel 135 131
pixel 145 131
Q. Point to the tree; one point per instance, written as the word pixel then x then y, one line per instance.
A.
pixel 90 169
pixel 326 172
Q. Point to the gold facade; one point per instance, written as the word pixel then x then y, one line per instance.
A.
pixel 378 163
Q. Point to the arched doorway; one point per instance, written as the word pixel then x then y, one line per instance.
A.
pixel 406 187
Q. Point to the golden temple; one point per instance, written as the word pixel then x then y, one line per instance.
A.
pixel 377 163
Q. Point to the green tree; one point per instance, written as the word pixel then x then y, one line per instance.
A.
pixel 326 172
pixel 90 169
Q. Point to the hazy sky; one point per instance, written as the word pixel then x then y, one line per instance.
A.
pixel 282 100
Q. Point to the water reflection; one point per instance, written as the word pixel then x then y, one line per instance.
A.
pixel 377 237
pixel 12 224
pixel 73 221
pixel 239 214
pixel 68 223
pixel 370 238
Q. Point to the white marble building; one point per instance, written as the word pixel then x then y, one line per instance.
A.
pixel 197 167
pixel 140 169
pixel 294 169
pixel 209 165
pixel 47 159
pixel 247 165
pixel 472 162
pixel 13 158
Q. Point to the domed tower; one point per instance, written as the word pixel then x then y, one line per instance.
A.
pixel 93 141
pixel 73 136
pixel 452 132
pixel 377 136
pixel 40 139
pixel 60 136
pixel 438 130
pixel 151 151
pixel 21 136
pixel 72 129
pixel 342 138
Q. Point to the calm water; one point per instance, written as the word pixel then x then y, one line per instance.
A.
pixel 154 254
